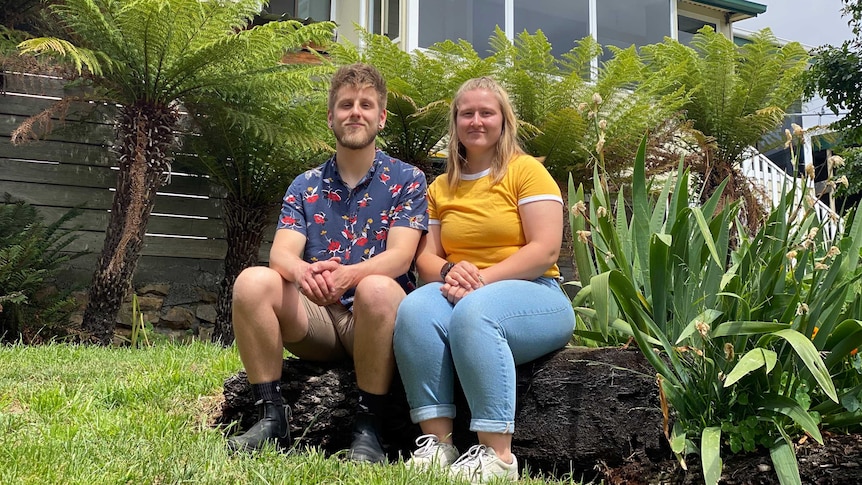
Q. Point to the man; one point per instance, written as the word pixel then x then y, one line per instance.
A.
pixel 339 266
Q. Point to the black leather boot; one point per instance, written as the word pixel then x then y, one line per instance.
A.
pixel 367 445
pixel 273 427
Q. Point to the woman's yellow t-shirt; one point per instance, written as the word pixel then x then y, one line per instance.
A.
pixel 480 222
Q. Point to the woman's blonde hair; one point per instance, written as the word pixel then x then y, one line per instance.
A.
pixel 507 146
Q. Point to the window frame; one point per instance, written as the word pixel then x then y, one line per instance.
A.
pixel 411 13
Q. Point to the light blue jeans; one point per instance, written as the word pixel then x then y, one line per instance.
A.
pixel 483 338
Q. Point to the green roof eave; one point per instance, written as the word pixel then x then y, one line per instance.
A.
pixel 739 6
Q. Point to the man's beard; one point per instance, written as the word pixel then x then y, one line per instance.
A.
pixel 355 140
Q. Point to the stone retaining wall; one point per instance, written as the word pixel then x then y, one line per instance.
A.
pixel 175 311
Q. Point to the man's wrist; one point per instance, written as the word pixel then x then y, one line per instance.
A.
pixel 445 270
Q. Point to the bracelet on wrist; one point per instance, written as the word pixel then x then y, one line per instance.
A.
pixel 445 270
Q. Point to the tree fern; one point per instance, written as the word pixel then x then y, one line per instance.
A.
pixel 255 167
pixel 736 95
pixel 150 57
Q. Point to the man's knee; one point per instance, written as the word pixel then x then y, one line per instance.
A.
pixel 253 283
pixel 379 292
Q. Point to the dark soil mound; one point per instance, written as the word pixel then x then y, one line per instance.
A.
pixel 838 461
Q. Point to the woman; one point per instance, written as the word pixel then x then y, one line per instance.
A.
pixel 492 299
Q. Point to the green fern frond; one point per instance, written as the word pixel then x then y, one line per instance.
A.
pixel 735 94
pixel 578 60
pixel 79 57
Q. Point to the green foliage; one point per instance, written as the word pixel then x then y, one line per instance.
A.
pixel 554 99
pixel 851 168
pixel 9 39
pixel 19 21
pixel 737 94
pixel 280 137
pixel 30 255
pixel 21 17
pixel 754 339
pixel 549 94
pixel 835 75
pixel 151 57
pixel 161 51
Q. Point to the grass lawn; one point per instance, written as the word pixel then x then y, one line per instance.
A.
pixel 91 415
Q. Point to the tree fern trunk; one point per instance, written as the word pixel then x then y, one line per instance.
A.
pixel 145 139
pixel 739 188
pixel 244 229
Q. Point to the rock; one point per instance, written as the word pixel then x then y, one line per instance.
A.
pixel 206 296
pixel 576 408
pixel 205 333
pixel 81 299
pixel 178 318
pixel 206 313
pixel 161 289
pixel 150 303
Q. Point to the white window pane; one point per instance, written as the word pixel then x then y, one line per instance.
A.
pixel 301 9
pixel 315 9
pixel 687 27
pixel 388 12
pixel 562 21
pixel 624 23
pixel 471 20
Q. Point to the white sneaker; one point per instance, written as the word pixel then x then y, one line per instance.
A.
pixel 432 453
pixel 480 465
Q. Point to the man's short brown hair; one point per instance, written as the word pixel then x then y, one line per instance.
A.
pixel 358 76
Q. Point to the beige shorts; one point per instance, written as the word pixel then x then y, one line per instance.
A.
pixel 330 333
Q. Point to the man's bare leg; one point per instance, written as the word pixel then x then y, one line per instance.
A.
pixel 374 308
pixel 260 296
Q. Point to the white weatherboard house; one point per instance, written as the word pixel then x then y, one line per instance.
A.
pixel 420 23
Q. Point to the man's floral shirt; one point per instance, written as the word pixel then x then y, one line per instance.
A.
pixel 353 224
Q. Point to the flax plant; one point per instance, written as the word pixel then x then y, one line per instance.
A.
pixel 753 337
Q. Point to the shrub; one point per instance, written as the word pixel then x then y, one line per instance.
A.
pixel 754 337
pixel 30 255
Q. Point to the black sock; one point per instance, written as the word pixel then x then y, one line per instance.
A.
pixel 267 392
pixel 372 404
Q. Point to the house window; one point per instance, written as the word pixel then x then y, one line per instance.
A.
pixel 688 26
pixel 300 9
pixel 563 22
pixel 471 20
pixel 621 23
pixel 624 23
pixel 385 18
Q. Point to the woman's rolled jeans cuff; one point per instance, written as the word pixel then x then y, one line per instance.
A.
pixel 490 426
pixel 425 413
